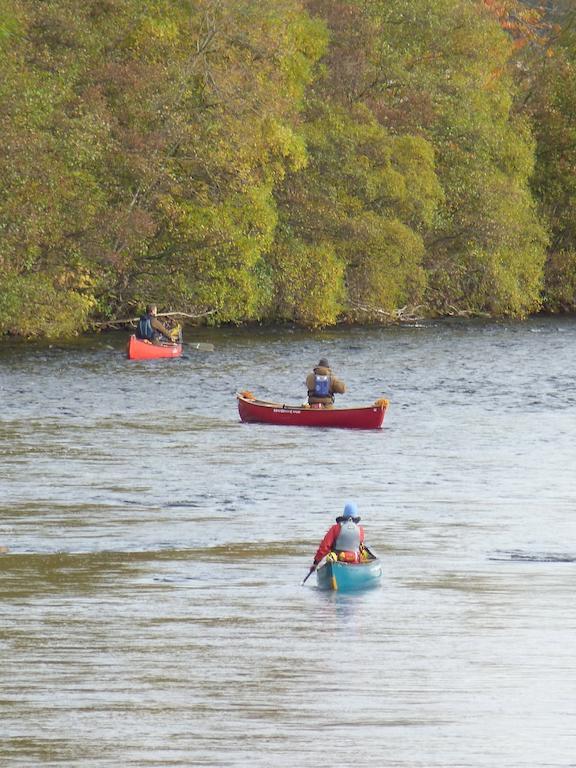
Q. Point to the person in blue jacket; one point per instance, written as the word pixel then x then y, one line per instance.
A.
pixel 151 329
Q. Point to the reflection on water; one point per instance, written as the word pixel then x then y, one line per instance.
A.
pixel 152 604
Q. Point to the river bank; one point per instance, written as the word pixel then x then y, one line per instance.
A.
pixel 111 328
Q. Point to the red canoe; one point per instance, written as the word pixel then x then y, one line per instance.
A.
pixel 366 417
pixel 138 349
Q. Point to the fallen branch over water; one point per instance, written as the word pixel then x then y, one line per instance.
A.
pixel 453 311
pixel 410 314
pixel 402 314
pixel 132 320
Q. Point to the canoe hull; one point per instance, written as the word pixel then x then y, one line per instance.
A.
pixel 349 577
pixel 144 350
pixel 262 412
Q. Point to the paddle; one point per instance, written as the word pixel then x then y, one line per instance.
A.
pixel 369 551
pixel 310 572
pixel 200 346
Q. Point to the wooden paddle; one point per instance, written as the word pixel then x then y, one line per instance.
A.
pixel 201 346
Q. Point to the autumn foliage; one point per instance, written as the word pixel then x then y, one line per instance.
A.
pixel 284 160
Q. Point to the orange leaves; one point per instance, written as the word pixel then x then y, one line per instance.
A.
pixel 493 77
pixel 525 25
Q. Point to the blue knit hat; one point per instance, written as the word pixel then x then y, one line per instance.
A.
pixel 350 509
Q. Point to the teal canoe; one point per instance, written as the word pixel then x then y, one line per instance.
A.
pixel 348 577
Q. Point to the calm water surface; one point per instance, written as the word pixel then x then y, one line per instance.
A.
pixel 151 609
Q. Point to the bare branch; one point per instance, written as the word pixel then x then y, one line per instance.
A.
pixel 132 320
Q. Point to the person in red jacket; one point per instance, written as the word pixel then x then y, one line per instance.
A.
pixel 345 538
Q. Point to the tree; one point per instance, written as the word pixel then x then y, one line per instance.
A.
pixel 551 103
pixel 364 197
pixel 486 249
pixel 143 140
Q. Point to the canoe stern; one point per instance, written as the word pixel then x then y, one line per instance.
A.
pixel 349 577
pixel 137 349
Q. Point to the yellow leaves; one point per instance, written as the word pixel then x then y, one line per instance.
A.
pixel 384 258
pixel 74 279
pixel 413 158
pixel 495 74
pixel 306 40
pixel 309 282
pixel 283 142
pixel 35 305
pixel 154 35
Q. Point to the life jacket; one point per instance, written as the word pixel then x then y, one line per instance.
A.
pixel 144 329
pixel 348 540
pixel 321 385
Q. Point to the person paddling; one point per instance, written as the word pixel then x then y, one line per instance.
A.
pixel 345 539
pixel 322 385
pixel 151 329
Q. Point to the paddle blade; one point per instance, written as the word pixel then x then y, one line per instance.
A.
pixel 202 347
pixel 310 572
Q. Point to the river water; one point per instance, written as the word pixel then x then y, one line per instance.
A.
pixel 152 611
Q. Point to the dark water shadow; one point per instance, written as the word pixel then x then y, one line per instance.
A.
pixel 518 555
